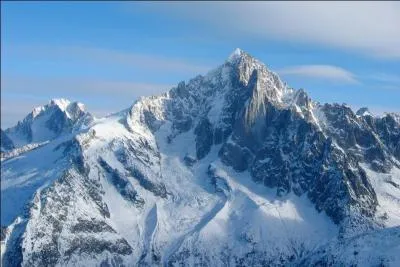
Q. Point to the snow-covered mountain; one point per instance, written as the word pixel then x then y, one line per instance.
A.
pixel 48 122
pixel 233 168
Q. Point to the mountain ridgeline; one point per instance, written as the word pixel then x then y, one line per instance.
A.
pixel 233 168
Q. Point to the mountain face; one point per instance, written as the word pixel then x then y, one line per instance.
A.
pixel 233 168
pixel 48 122
pixel 6 143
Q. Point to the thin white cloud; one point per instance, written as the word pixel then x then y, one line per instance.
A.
pixel 103 56
pixel 75 86
pixel 326 72
pixel 386 78
pixel 136 59
pixel 368 27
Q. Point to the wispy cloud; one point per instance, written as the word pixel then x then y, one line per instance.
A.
pixel 39 86
pixel 105 57
pixel 370 28
pixel 386 78
pixel 135 59
pixel 326 72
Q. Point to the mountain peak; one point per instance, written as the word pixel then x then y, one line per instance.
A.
pixel 47 122
pixel 241 58
pixel 62 103
pixel 364 111
pixel 67 106
pixel 238 54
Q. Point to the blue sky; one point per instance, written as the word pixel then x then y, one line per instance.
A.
pixel 107 54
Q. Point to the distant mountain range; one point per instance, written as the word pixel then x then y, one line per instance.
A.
pixel 233 168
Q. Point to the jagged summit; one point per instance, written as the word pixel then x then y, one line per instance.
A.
pixel 66 105
pixel 247 65
pixel 69 108
pixel 236 54
pixel 364 111
pixel 62 103
pixel 239 56
pixel 57 117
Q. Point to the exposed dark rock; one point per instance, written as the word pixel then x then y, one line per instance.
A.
pixel 94 246
pixel 121 183
pixel 91 226
pixel 189 160
pixel 156 189
pixel 238 157
pixel 204 138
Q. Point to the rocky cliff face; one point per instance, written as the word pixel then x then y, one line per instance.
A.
pixel 231 168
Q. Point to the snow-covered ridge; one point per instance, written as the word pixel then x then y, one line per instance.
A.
pixel 44 123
